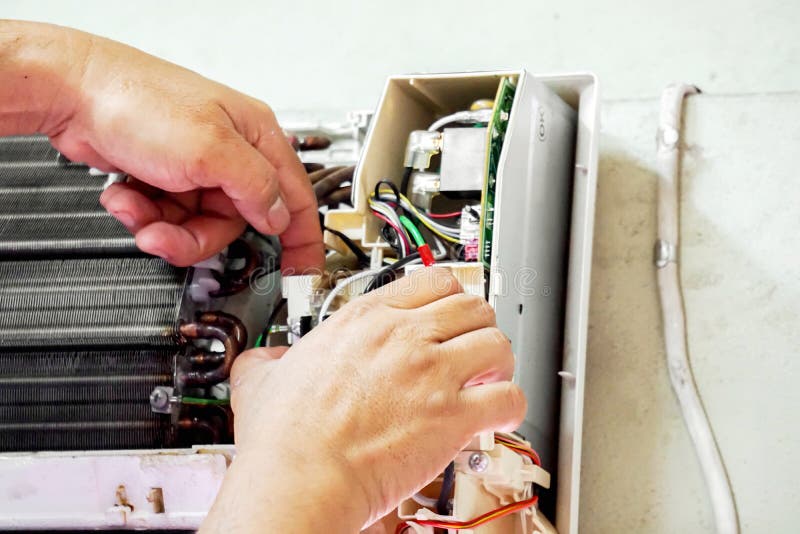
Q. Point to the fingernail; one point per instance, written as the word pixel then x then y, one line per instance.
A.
pixel 278 216
pixel 125 218
pixel 161 254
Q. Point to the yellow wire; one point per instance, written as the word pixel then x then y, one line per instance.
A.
pixel 421 217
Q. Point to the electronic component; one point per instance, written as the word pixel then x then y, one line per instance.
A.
pixel 463 160
pixel 497 133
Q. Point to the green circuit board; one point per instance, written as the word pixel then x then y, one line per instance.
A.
pixel 495 136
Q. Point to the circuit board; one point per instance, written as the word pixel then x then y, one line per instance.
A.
pixel 496 133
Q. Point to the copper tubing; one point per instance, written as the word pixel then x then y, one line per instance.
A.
pixel 230 285
pixel 316 176
pixel 195 423
pixel 206 359
pixel 227 321
pixel 315 142
pixel 332 182
pixel 313 167
pixel 337 197
pixel 210 331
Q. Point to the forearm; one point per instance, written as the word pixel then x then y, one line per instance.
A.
pixel 265 493
pixel 41 68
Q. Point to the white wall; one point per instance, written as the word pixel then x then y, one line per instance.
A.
pixel 323 54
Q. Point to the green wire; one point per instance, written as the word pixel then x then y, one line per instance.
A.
pixel 205 402
pixel 412 229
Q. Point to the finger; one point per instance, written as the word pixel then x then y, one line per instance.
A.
pixel 499 406
pixel 199 237
pixel 302 241
pixel 129 206
pixel 419 288
pixel 455 315
pixel 135 209
pixel 246 177
pixel 479 356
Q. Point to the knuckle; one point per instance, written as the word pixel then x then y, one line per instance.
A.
pixel 356 310
pixel 441 403
pixel 497 337
pixel 514 399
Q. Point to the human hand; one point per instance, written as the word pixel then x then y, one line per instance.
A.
pixel 372 404
pixel 206 159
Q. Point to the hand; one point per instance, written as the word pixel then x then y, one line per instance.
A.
pixel 206 158
pixel 370 406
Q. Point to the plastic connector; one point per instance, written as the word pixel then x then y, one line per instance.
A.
pixel 426 255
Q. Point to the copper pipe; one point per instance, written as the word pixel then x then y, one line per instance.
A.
pixel 209 331
pixel 333 181
pixel 316 176
pixel 234 283
pixel 229 322
pixel 315 142
pixel 337 197
pixel 313 167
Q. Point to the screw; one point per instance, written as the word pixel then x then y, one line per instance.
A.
pixel 478 462
pixel 159 399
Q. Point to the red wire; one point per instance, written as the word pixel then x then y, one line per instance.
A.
pixel 474 523
pixel 396 229
pixel 444 215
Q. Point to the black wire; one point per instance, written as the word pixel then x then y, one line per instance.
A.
pixel 388 273
pixel 406 179
pixel 361 256
pixel 391 186
pixel 448 481
pixel 272 316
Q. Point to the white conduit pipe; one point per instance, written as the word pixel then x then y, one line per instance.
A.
pixel 666 260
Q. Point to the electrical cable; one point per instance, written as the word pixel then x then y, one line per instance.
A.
pixel 443 506
pixel 262 339
pixel 448 233
pixel 443 215
pixel 673 316
pixel 412 230
pixel 388 273
pixel 477 116
pixel 340 287
pixel 361 256
pixel 472 523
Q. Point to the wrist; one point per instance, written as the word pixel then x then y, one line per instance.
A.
pixel 265 491
pixel 42 67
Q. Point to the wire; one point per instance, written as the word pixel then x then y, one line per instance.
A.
pixel 472 523
pixel 198 401
pixel 387 274
pixel 412 230
pixel 363 259
pixel 443 506
pixel 340 287
pixel 518 447
pixel 447 233
pixel 479 116
pixel 262 339
pixel 401 237
pixel 443 215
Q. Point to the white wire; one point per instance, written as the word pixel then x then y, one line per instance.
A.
pixel 386 210
pixel 422 500
pixel 673 316
pixel 341 286
pixel 480 115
